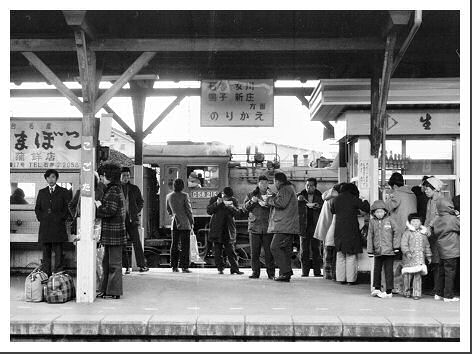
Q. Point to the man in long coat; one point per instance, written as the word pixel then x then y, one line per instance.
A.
pixel 310 203
pixel 133 204
pixel 52 211
pixel 283 223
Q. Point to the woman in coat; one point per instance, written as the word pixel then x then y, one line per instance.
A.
pixel 325 233
pixel 347 237
pixel 179 208
pixel 447 228
pixel 223 208
pixel 112 212
pixel 432 189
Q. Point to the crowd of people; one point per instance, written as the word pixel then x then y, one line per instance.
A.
pixel 416 228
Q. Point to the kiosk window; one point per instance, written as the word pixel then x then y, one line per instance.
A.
pixel 203 177
pixel 429 149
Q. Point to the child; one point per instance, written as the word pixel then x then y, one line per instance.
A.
pixel 383 242
pixel 447 227
pixel 415 248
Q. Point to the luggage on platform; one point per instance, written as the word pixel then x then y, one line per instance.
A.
pixel 60 288
pixel 35 283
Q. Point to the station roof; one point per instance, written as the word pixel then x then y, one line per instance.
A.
pixel 198 45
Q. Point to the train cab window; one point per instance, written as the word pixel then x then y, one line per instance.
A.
pixel 203 177
pixel 172 175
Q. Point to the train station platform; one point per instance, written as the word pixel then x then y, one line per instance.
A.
pixel 204 306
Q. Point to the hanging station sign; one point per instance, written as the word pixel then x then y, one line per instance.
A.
pixel 45 143
pixel 237 103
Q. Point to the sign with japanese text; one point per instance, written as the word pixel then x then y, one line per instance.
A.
pixel 434 121
pixel 45 143
pixel 237 103
pixel 363 174
pixel 86 176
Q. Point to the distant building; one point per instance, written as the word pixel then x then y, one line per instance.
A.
pixel 285 153
pixel 121 142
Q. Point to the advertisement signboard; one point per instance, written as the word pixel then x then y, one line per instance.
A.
pixel 42 143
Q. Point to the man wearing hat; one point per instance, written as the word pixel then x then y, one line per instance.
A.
pixel 432 189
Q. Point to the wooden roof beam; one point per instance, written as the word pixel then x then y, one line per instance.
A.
pixel 164 114
pixel 119 120
pixel 77 20
pixel 138 64
pixel 153 92
pixel 303 100
pixel 53 79
pixel 203 44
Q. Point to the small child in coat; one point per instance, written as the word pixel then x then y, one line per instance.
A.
pixel 383 242
pixel 415 249
pixel 447 227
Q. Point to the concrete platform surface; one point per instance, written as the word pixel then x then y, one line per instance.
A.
pixel 205 304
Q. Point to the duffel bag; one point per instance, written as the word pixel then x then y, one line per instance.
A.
pixel 60 288
pixel 34 285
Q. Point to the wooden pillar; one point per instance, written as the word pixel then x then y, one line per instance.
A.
pixel 375 130
pixel 342 168
pixel 86 245
pixel 378 117
pixel 386 76
pixel 138 99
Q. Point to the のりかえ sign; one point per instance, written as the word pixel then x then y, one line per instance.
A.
pixel 237 103
pixel 45 143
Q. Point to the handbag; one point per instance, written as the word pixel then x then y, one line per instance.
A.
pixel 34 285
pixel 194 253
pixel 60 288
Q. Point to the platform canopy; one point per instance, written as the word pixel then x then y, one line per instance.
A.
pixel 196 45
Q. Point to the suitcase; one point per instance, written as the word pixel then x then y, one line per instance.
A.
pixel 35 283
pixel 60 288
